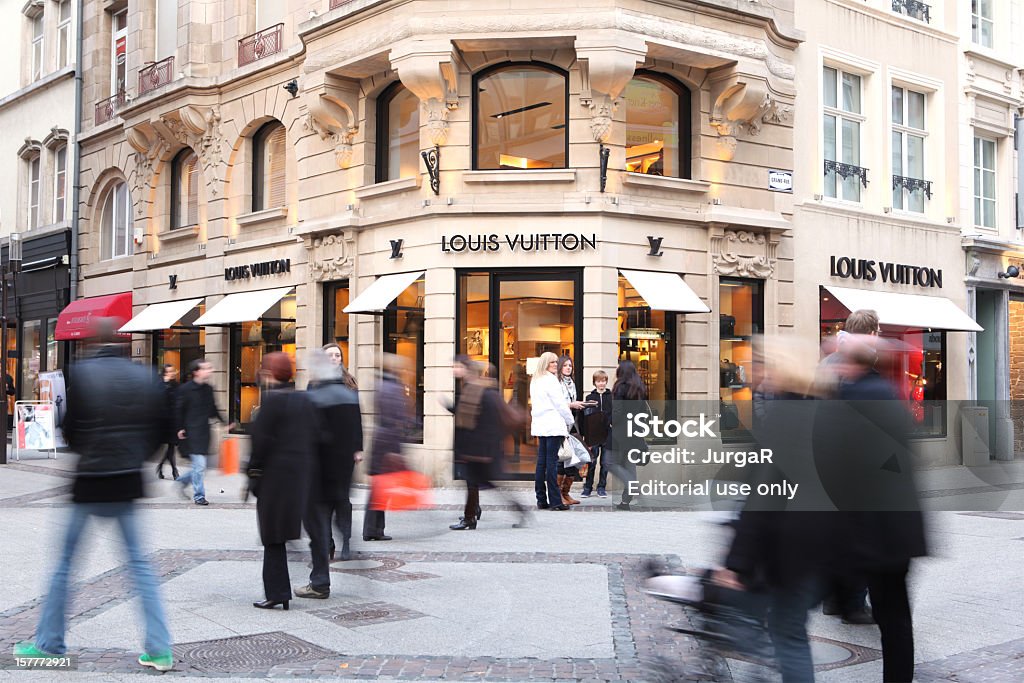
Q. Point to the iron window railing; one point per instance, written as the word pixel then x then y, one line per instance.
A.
pixel 912 184
pixel 260 44
pixel 846 171
pixel 155 75
pixel 913 8
pixel 105 109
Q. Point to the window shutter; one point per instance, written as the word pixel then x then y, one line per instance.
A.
pixel 274 167
pixel 192 180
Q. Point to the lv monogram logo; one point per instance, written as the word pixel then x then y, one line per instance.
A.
pixel 173 281
pixel 396 248
pixel 655 244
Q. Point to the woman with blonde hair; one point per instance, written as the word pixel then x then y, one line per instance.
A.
pixel 551 419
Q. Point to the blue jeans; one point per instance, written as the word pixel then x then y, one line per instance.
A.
pixel 787 626
pixel 547 471
pixel 195 476
pixel 53 622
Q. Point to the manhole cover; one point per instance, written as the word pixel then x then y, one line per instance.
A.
pixel 249 653
pixel 366 614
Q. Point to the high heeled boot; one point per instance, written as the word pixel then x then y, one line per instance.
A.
pixel 566 485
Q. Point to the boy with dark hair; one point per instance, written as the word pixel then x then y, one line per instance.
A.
pixel 597 431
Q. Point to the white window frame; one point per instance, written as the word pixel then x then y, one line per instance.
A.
pixel 117 190
pixel 840 114
pixel 60 184
pixel 38 45
pixel 980 200
pixel 116 35
pixel 35 189
pixel 904 130
pixel 64 35
pixel 979 20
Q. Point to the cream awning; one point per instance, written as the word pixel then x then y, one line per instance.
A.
pixel 243 306
pixel 381 293
pixel 908 310
pixel 665 291
pixel 159 316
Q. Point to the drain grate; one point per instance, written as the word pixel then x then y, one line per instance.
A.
pixel 249 653
pixel 366 614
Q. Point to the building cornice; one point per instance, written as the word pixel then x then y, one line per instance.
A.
pixel 44 83
pixel 897 20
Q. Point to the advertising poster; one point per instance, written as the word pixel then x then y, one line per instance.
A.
pixel 34 427
pixel 52 388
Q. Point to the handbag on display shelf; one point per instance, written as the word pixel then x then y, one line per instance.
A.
pixel 726 325
pixel 727 373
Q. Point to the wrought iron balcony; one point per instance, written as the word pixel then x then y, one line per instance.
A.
pixel 260 44
pixel 105 109
pixel 846 171
pixel 912 184
pixel 155 75
pixel 913 8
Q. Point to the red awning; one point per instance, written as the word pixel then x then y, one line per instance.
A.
pixel 76 321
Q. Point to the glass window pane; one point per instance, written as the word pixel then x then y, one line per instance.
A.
pixel 897 169
pixel 740 319
pixel 403 131
pixel 851 93
pixel 403 336
pixel 988 184
pixel 915 110
pixel 830 154
pixel 652 128
pixel 31 355
pixel 915 156
pixel 829 80
pixel 989 208
pixel 120 220
pixel 897 105
pixel 851 142
pixel 988 154
pixel 521 119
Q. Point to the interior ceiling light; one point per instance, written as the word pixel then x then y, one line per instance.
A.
pixel 520 110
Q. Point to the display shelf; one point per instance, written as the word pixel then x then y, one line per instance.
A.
pixel 737 339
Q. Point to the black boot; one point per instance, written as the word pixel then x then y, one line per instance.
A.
pixel 346 552
pixel 464 524
pixel 160 470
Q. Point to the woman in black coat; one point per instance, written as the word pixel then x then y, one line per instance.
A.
pixel 392 424
pixel 170 412
pixel 285 437
pixel 629 386
pixel 479 433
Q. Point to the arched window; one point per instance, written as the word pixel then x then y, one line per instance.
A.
pixel 184 189
pixel 398 134
pixel 116 223
pixel 268 167
pixel 657 126
pixel 60 182
pixel 521 113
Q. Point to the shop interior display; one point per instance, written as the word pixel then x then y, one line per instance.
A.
pixel 741 310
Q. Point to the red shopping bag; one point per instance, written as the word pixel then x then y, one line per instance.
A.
pixel 229 456
pixel 403 490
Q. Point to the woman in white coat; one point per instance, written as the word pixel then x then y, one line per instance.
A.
pixel 551 418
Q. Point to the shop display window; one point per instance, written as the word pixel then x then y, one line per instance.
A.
pixel 403 336
pixel 657 126
pixel 336 321
pixel 647 338
pixel 32 356
pixel 12 363
pixel 740 319
pixel 275 331
pixel 915 364
pixel 181 344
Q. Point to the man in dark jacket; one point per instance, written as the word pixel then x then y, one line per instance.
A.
pixel 338 451
pixel 113 423
pixel 196 408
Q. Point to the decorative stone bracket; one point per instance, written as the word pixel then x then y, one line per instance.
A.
pixel 607 61
pixel 330 256
pixel 428 69
pixel 740 253
pixel 331 112
pixel 742 103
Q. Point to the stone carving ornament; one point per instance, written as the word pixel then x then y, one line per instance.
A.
pixel 740 253
pixel 331 259
pixel 199 128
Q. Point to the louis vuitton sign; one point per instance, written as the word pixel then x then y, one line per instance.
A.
pixel 261 269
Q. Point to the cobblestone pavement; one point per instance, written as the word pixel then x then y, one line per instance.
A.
pixel 390 608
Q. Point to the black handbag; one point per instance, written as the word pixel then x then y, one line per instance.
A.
pixel 726 325
pixel 727 373
pixel 730 416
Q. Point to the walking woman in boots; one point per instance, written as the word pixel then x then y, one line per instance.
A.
pixel 568 475
pixel 479 433
pixel 551 418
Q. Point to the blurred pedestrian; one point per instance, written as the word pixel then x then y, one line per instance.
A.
pixel 551 419
pixel 336 457
pixel 479 435
pixel 341 512
pixel 567 476
pixel 170 384
pixel 628 387
pixel 597 430
pixel 285 437
pixel 862 449
pixel 392 423
pixel 196 408
pixel 113 422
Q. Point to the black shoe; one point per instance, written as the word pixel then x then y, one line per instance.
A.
pixel 174 474
pixel 479 512
pixel 346 552
pixel 271 604
pixel 382 537
pixel 622 506
pixel 464 524
pixel 830 608
pixel 542 506
pixel 860 616
pixel 558 508
pixel 308 591
pixel 160 472
pixel 331 554
pixel 202 501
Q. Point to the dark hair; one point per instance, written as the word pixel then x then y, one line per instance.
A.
pixel 168 366
pixel 632 386
pixel 278 365
pixel 196 364
pixel 562 360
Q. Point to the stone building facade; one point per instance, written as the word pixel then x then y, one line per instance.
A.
pixel 590 179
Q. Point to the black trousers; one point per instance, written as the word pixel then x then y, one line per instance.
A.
pixel 597 453
pixel 277 585
pixel 890 606
pixel 318 525
pixel 169 457
pixel 373 523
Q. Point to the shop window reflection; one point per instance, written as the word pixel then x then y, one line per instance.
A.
pixel 181 344
pixel 647 338
pixel 398 134
pixel 403 336
pixel 740 318
pixel 250 341
pixel 336 321
pixel 657 127
pixel 31 353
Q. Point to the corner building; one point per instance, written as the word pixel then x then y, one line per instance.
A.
pixel 495 179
